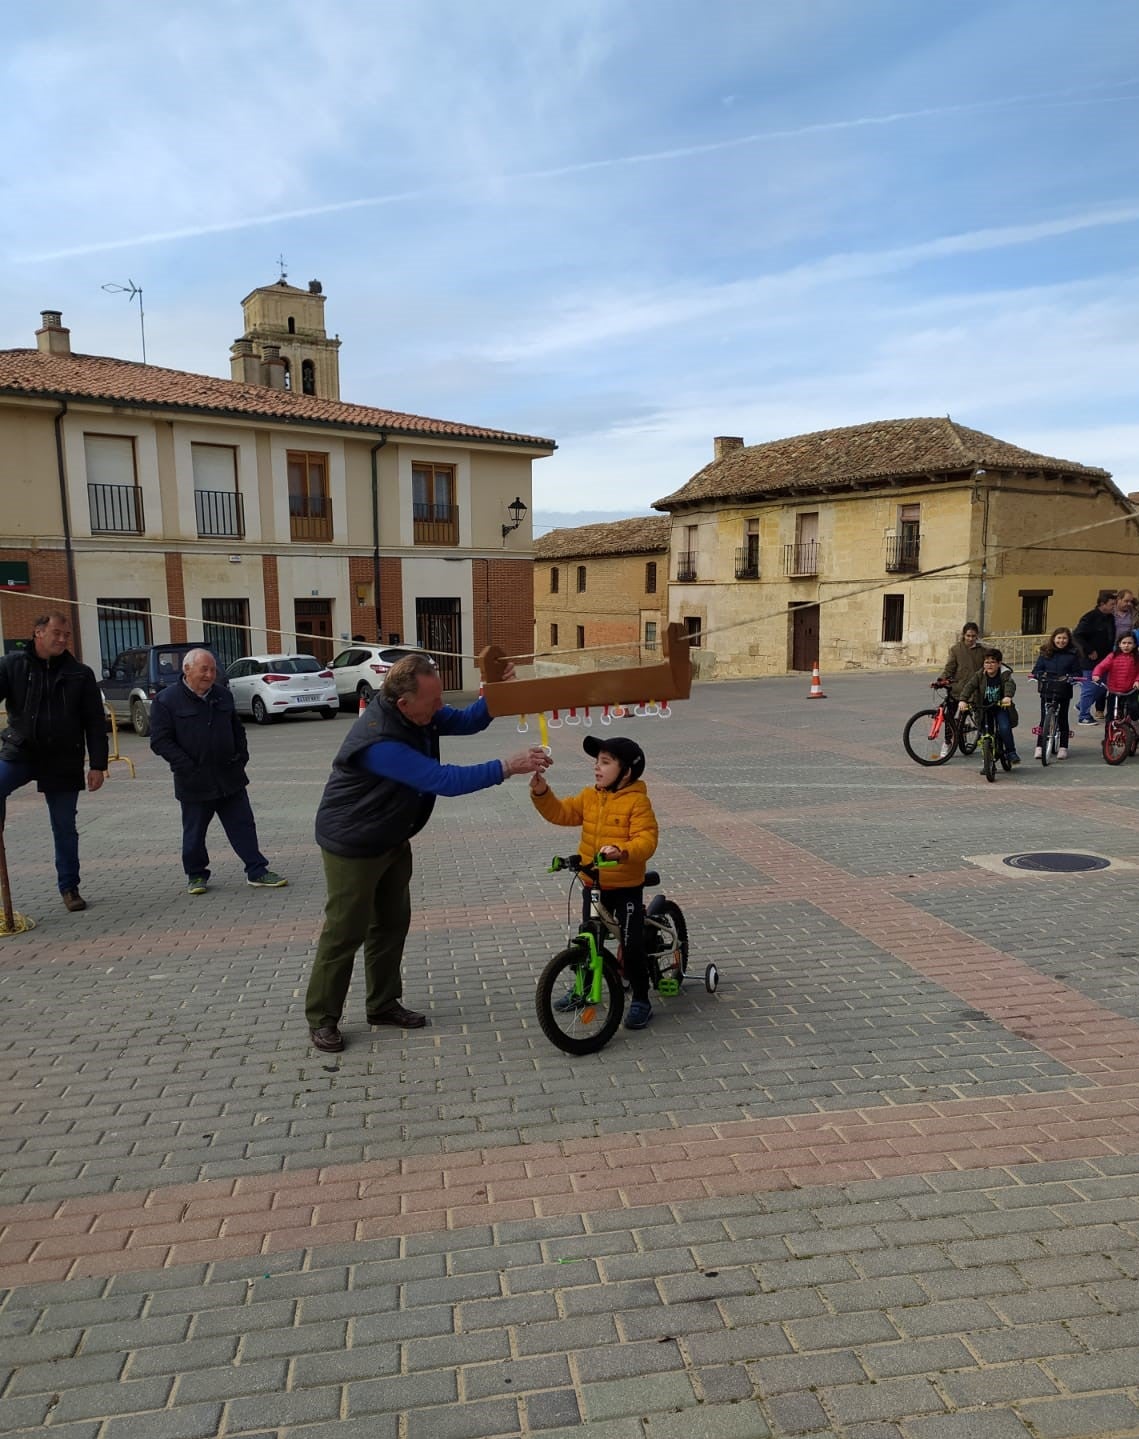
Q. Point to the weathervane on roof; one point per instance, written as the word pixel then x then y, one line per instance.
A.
pixel 130 290
pixel 284 275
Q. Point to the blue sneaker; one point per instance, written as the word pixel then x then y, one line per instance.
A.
pixel 568 1001
pixel 640 1012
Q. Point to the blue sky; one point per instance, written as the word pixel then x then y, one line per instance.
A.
pixel 630 225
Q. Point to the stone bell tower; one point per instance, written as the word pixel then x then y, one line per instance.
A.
pixel 285 345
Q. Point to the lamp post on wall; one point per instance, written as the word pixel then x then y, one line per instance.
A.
pixel 130 290
pixel 516 510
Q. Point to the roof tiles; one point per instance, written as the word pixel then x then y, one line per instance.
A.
pixel 643 535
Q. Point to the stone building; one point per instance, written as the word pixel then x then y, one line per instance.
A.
pixel 601 585
pixel 257 512
pixel 873 544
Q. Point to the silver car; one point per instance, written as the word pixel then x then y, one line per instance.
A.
pixel 270 686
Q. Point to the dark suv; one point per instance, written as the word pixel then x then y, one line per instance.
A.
pixel 130 684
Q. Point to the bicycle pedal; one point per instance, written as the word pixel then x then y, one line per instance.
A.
pixel 669 987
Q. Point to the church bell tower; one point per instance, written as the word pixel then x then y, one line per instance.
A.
pixel 285 345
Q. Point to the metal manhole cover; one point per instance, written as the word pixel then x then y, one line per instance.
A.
pixel 1057 862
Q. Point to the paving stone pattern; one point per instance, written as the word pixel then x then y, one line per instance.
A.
pixel 884 1183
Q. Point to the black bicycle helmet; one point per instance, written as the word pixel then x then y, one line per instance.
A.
pixel 627 752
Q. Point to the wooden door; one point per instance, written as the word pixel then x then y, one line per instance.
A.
pixel 804 636
pixel 313 624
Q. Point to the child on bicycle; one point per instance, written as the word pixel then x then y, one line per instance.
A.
pixel 617 823
pixel 1120 673
pixel 994 685
pixel 1058 664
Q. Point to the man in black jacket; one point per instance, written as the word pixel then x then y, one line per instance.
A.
pixel 54 711
pixel 195 728
pixel 1095 635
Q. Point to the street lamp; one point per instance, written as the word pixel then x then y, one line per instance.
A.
pixel 130 290
pixel 517 509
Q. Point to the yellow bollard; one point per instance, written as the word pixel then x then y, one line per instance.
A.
pixel 115 755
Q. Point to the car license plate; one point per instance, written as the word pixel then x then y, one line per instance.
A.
pixel 305 699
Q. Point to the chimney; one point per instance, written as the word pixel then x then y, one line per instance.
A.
pixel 274 367
pixel 244 363
pixel 724 444
pixel 52 338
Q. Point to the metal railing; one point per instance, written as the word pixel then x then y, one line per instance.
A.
pixel 686 565
pixel 1019 651
pixel 747 562
pixel 435 524
pixel 220 512
pixel 801 558
pixel 902 553
pixel 115 509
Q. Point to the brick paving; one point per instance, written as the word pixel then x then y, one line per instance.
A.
pixel 883 1185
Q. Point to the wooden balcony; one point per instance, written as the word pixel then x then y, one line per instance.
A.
pixel 313 528
pixel 435 524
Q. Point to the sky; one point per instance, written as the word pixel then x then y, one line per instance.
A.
pixel 628 225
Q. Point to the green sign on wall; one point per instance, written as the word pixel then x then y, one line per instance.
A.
pixel 14 575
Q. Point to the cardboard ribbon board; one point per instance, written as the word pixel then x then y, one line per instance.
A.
pixel 669 680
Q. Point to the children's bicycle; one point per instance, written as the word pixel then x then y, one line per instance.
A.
pixel 1056 696
pixel 581 995
pixel 1120 734
pixel 933 736
pixel 993 750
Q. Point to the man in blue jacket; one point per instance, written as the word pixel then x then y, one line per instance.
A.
pixel 54 712
pixel 195 728
pixel 383 786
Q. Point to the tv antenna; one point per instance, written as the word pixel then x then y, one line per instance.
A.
pixel 131 290
pixel 284 275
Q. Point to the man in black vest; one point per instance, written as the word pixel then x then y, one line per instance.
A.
pixel 1095 635
pixel 383 786
pixel 54 710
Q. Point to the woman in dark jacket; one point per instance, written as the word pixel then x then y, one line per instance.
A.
pixel 1060 662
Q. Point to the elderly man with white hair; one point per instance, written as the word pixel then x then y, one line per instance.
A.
pixel 195 728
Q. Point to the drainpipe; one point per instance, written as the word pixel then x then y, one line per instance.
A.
pixel 68 551
pixel 380 443
pixel 984 546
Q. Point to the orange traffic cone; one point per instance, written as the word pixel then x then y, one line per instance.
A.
pixel 363 703
pixel 816 684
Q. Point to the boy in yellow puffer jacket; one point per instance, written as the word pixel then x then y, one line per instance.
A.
pixel 618 823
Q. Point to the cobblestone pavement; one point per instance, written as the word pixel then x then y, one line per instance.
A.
pixel 884 1183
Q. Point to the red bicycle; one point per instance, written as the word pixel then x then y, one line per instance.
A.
pixel 933 736
pixel 1120 733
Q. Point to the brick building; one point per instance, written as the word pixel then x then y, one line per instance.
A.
pixel 601 585
pixel 259 511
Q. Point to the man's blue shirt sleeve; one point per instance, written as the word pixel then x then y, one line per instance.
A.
pixel 392 760
pixel 471 720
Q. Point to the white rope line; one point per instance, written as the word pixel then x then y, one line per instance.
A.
pixel 752 620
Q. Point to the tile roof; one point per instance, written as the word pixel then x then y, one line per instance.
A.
pixel 859 454
pixel 643 535
pixel 124 382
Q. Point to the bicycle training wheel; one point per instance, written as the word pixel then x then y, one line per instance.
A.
pixel 988 757
pixel 578 1026
pixel 1049 739
pixel 1116 743
pixel 926 735
pixel 967 735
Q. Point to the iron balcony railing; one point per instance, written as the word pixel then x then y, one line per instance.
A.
pixel 435 524
pixel 902 553
pixel 747 562
pixel 220 512
pixel 801 558
pixel 686 565
pixel 115 509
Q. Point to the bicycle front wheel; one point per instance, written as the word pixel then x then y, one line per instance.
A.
pixel 1115 742
pixel 575 1024
pixel 967 735
pixel 988 757
pixel 927 734
pixel 1049 739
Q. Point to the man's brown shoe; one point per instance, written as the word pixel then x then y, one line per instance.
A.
pixel 73 900
pixel 396 1014
pixel 328 1038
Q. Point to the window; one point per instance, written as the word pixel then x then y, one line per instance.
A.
pixel 287 374
pixel 113 493
pixel 651 577
pixel 310 509
pixel 802 558
pixel 123 624
pixel 893 612
pixel 216 502
pixel 692 627
pixel 581 637
pixel 554 579
pixel 904 546
pixel 747 556
pixel 292 325
pixel 581 579
pixel 686 559
pixel 650 634
pixel 308 377
pixel 554 635
pixel 1034 611
pixel 433 509
pixel 225 627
